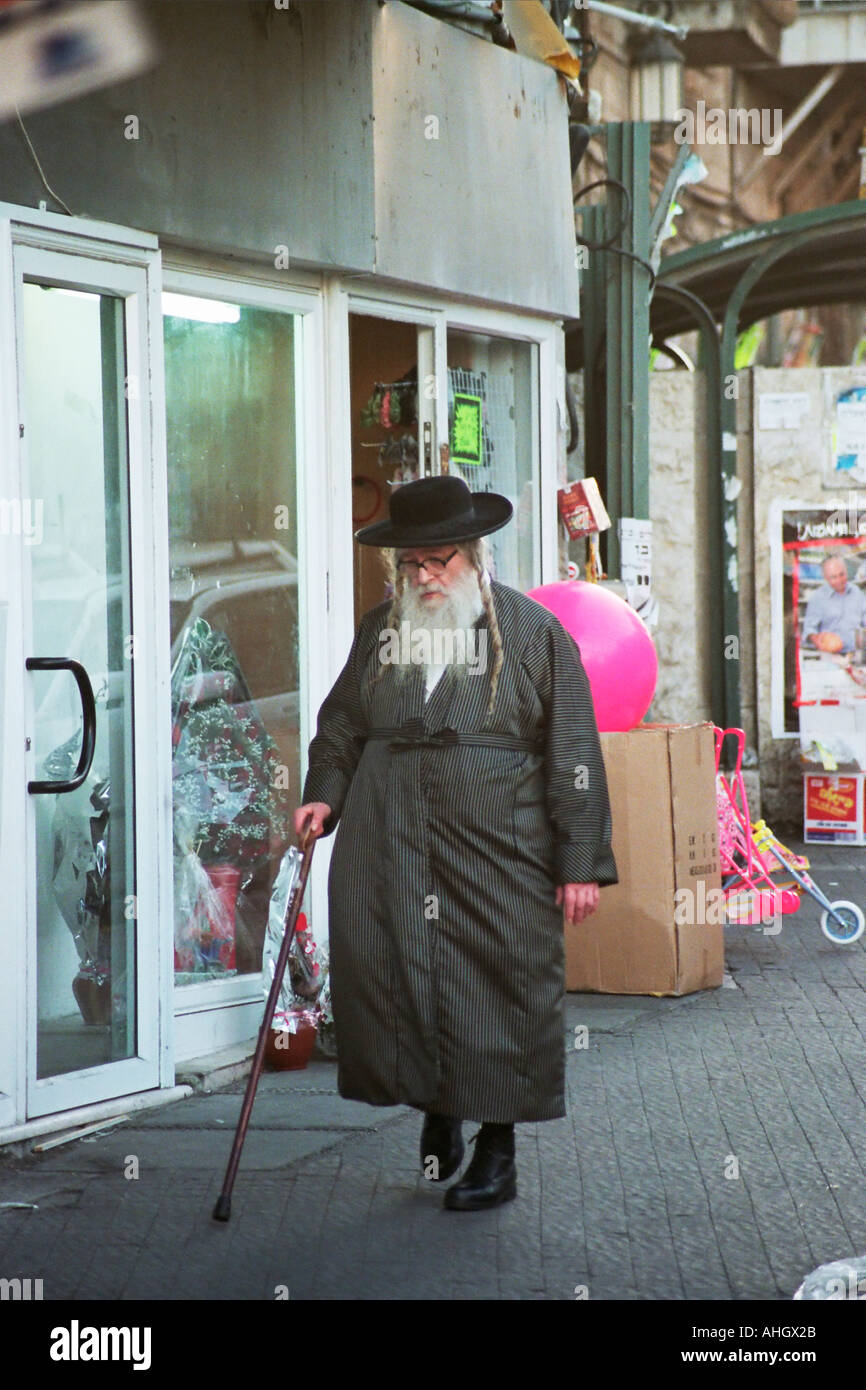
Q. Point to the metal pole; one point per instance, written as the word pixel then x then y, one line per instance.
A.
pixel 593 228
pixel 616 328
pixel 627 316
pixel 644 21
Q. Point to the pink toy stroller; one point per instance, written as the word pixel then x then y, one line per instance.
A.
pixel 749 854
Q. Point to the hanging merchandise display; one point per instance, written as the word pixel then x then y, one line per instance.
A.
pixel 392 403
pixel 400 456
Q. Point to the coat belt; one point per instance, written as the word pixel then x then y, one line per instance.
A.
pixel 415 735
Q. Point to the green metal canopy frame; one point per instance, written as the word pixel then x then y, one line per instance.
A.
pixel 720 287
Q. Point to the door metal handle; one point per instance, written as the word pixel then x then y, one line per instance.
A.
pixel 88 710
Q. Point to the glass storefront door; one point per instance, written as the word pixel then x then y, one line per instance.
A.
pixel 493 419
pixel 91 962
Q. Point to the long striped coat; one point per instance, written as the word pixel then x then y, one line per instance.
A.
pixel 446 945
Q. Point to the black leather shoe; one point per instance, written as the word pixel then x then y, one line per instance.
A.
pixel 491 1177
pixel 442 1139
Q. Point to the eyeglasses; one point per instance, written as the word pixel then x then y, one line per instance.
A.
pixel 434 565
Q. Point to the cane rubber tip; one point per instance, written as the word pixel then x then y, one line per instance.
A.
pixel 223 1209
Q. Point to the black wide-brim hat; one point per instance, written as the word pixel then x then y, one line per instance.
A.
pixel 431 511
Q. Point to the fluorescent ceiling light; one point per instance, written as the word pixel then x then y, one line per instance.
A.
pixel 71 294
pixel 185 306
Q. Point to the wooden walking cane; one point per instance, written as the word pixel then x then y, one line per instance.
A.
pixel 223 1209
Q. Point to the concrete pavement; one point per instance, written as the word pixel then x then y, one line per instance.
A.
pixel 715 1147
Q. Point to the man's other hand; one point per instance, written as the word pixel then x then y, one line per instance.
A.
pixel 314 814
pixel 581 900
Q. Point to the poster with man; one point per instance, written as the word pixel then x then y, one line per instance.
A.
pixel 835 610
pixel 822 651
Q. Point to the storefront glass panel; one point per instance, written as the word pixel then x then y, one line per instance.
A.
pixel 73 394
pixel 493 440
pixel 233 537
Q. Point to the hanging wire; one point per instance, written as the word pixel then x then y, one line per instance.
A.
pixel 606 183
pixel 632 256
pixel 45 182
pixel 608 245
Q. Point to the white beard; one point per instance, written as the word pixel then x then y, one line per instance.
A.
pixel 446 628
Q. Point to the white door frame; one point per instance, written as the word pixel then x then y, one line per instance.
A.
pixel 115 260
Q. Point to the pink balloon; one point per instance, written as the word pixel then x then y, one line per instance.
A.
pixel 615 647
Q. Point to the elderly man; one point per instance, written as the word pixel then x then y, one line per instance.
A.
pixel 834 610
pixel 458 751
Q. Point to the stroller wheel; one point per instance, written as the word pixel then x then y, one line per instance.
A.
pixel 852 917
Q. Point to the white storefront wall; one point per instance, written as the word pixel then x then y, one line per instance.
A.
pixel 175 1024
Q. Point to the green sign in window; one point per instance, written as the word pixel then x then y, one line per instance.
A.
pixel 466 429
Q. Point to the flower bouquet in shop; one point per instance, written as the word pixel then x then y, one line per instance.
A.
pixel 228 810
pixel 303 1004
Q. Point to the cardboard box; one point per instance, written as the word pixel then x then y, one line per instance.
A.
pixel 660 930
pixel 833 809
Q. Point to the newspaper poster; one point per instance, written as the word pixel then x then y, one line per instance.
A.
pixel 819 628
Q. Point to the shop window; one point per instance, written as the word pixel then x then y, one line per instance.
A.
pixel 493 440
pixel 230 418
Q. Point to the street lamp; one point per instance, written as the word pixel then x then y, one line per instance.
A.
pixel 656 80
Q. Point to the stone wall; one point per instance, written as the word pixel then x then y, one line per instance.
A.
pixel 678 489
pixel 678 507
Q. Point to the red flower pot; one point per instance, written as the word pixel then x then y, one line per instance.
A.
pixel 225 879
pixel 286 1051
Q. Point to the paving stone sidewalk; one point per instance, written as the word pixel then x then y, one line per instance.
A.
pixel 635 1195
